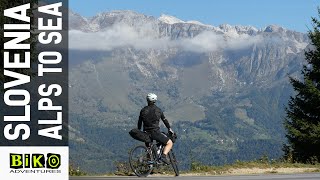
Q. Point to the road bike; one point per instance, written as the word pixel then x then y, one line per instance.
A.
pixel 144 159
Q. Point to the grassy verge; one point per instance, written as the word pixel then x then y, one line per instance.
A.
pixel 261 166
pixel 253 167
pixel 76 171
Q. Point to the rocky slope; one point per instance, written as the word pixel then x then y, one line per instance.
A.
pixel 222 87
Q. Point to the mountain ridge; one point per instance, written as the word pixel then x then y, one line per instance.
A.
pixel 128 14
pixel 222 88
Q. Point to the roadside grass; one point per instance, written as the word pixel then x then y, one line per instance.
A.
pixel 76 171
pixel 315 171
pixel 269 167
pixel 259 166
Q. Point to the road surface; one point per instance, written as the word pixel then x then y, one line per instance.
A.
pixel 312 176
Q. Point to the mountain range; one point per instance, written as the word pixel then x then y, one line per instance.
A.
pixel 223 88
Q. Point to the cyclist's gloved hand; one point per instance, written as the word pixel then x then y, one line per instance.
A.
pixel 171 131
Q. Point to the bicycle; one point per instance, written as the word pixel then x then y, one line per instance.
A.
pixel 144 159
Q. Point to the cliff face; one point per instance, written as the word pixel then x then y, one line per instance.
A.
pixel 221 85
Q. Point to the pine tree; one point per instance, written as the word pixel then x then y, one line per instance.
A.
pixel 303 113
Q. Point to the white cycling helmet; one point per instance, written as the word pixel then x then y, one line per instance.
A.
pixel 151 97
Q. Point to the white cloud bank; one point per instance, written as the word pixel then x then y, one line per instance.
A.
pixel 144 38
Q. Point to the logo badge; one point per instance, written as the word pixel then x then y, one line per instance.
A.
pixel 20 161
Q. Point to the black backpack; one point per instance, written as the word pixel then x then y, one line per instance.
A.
pixel 140 135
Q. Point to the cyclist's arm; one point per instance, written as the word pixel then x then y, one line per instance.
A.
pixel 140 121
pixel 165 121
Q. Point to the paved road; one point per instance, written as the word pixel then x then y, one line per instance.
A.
pixel 313 176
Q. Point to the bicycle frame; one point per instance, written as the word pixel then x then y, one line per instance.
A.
pixel 152 159
pixel 156 149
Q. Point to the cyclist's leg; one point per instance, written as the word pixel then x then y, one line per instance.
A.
pixel 158 136
pixel 148 145
pixel 168 147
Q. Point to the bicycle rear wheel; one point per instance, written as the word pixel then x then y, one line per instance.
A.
pixel 174 163
pixel 140 161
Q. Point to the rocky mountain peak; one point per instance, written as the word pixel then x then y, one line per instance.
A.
pixel 169 19
pixel 167 25
pixel 228 83
pixel 274 28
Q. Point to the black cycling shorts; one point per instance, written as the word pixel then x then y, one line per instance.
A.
pixel 158 136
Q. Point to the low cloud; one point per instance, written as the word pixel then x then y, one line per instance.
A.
pixel 144 38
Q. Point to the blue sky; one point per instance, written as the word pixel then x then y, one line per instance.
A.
pixel 291 14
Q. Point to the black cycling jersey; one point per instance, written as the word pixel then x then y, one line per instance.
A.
pixel 150 117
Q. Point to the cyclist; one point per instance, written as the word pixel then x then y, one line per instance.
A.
pixel 150 117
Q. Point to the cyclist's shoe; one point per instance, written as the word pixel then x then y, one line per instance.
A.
pixel 164 158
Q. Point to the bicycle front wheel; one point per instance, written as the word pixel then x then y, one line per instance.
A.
pixel 140 161
pixel 174 163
